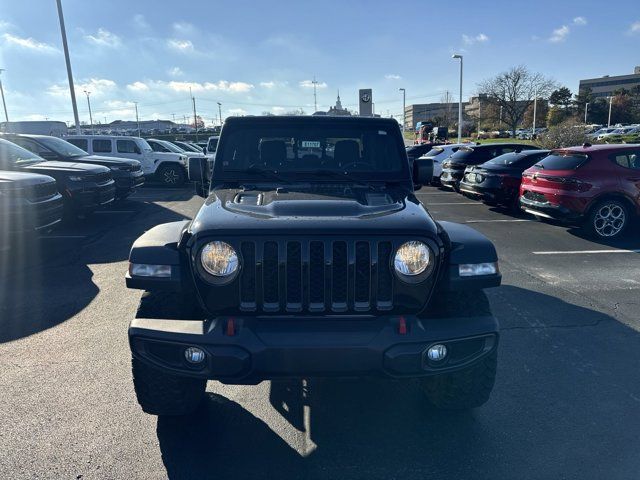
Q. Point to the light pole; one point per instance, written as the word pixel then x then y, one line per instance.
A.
pixel 90 115
pixel 458 56
pixel 586 109
pixel 220 113
pixel 479 113
pixel 195 117
pixel 535 105
pixel 69 73
pixel 137 118
pixel 404 108
pixel 609 120
pixel 500 116
pixel 315 98
pixel 4 104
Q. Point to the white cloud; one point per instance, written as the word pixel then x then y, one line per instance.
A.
pixel 118 104
pixel 140 22
pixel 180 45
pixel 268 84
pixel 278 110
pixel 28 43
pixel 634 28
pixel 138 87
pixel 175 72
pixel 236 112
pixel 392 76
pixel 470 40
pixel 580 21
pixel 222 86
pixel 309 84
pixel 184 28
pixel 97 86
pixel 104 38
pixel 559 34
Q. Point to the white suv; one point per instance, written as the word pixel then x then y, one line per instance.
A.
pixel 168 168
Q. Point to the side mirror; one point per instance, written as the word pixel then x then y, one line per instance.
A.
pixel 204 150
pixel 136 150
pixel 198 167
pixel 422 171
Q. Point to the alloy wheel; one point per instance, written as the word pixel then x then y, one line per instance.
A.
pixel 170 176
pixel 609 220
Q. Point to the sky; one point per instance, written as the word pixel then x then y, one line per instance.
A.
pixel 256 57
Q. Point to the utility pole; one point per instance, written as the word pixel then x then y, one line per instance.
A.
pixel 586 109
pixel 195 117
pixel 220 112
pixel 535 105
pixel 609 120
pixel 137 118
pixel 69 73
pixel 4 104
pixel 500 115
pixel 404 108
pixel 458 56
pixel 315 98
pixel 479 113
pixel 173 115
pixel 90 115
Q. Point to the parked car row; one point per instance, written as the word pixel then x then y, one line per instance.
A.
pixel 594 186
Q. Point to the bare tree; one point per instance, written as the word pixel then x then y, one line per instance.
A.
pixel 514 91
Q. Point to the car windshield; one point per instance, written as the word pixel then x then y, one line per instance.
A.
pixel 512 158
pixel 62 147
pixel 464 153
pixel 302 151
pixel 562 161
pixel 11 154
pixel 434 152
pixel 170 146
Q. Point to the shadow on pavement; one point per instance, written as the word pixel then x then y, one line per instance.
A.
pixel 46 281
pixel 565 406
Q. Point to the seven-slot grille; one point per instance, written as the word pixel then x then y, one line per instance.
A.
pixel 41 191
pixel 316 276
pixel 102 177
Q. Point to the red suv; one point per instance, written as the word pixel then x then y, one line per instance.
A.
pixel 596 186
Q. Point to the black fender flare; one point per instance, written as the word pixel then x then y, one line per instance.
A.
pixel 158 246
pixel 468 246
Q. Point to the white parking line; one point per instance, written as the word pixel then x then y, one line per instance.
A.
pixel 62 236
pixel 499 221
pixel 578 252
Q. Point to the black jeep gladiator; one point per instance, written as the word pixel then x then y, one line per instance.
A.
pixel 311 257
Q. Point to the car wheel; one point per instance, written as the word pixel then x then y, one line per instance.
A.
pixel 464 389
pixel 608 219
pixel 171 175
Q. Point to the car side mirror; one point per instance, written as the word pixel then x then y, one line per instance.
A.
pixel 137 150
pixel 198 174
pixel 204 150
pixel 422 171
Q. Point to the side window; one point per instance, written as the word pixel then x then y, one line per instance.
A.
pixel 634 160
pixel 156 147
pixel 622 160
pixel 31 146
pixel 504 150
pixel 82 143
pixel 101 146
pixel 629 159
pixel 127 146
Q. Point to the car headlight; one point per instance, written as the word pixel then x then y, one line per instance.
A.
pixel 219 259
pixel 412 258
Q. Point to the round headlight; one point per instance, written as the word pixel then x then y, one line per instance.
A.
pixel 219 259
pixel 412 258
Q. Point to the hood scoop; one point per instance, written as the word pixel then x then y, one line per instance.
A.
pixel 297 204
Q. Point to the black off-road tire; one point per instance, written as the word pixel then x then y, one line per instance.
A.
pixel 161 393
pixel 464 389
pixel 171 175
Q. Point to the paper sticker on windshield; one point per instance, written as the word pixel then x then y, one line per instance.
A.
pixel 310 144
pixel 381 132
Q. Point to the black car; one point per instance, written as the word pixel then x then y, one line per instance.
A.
pixel 84 187
pixel 416 151
pixel 127 173
pixel 453 168
pixel 28 202
pixel 498 180
pixel 312 256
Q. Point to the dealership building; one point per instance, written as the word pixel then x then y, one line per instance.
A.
pixel 607 85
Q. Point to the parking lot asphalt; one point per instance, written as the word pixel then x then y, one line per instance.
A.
pixel 565 404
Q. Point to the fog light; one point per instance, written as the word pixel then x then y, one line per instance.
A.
pixel 477 269
pixel 194 355
pixel 437 353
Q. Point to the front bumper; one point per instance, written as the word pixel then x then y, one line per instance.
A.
pixel 491 194
pixel 92 196
pixel 451 178
pixel 27 216
pixel 128 182
pixel 257 349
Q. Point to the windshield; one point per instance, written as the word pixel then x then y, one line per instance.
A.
pixel 294 150
pixel 62 147
pixel 144 145
pixel 464 153
pixel 170 146
pixel 514 158
pixel 559 161
pixel 12 154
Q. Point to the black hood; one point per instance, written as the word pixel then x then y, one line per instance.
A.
pixel 23 179
pixel 313 209
pixel 64 169
pixel 106 161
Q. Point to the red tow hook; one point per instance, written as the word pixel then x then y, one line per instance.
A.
pixel 231 327
pixel 402 326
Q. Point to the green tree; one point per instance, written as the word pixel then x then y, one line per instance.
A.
pixel 561 97
pixel 580 102
pixel 557 115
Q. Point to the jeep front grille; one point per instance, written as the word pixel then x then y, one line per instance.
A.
pixel 316 276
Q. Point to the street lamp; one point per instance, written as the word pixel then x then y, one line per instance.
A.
pixel 458 56
pixel 609 120
pixel 72 90
pixel 404 108
pixel 586 109
pixel 6 115
pixel 220 112
pixel 90 115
